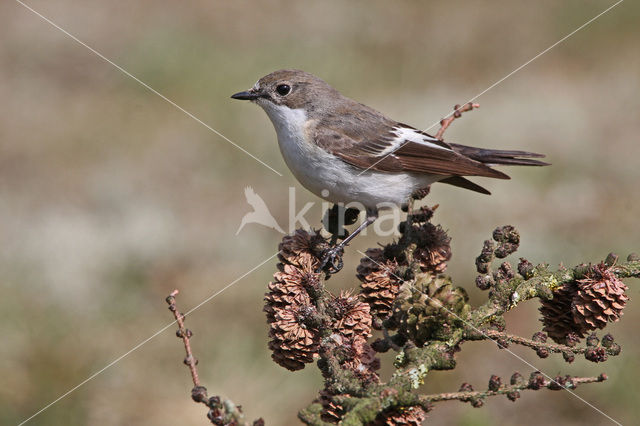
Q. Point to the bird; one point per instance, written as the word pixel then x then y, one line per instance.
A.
pixel 345 152
pixel 260 213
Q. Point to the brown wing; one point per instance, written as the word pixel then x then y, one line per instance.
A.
pixel 391 147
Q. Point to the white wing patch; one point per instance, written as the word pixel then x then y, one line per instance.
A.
pixel 404 135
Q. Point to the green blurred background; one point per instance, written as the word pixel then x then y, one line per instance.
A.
pixel 110 197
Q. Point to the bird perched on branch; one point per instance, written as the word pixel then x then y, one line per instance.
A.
pixel 345 152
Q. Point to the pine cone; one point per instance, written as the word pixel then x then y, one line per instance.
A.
pixel 411 416
pixel 331 411
pixel 600 298
pixel 293 284
pixel 429 309
pixel 302 242
pixel 289 304
pixel 433 250
pixel 360 358
pixel 380 283
pixel 351 316
pixel 383 270
pixel 556 314
pixel 584 305
pixel 293 342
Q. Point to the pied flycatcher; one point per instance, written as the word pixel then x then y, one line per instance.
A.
pixel 344 151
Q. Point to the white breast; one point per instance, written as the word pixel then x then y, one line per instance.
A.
pixel 320 171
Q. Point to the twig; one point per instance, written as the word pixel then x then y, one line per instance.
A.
pixel 537 345
pixel 536 382
pixel 457 113
pixel 222 412
pixel 185 334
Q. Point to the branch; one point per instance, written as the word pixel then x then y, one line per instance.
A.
pixel 185 334
pixel 457 113
pixel 541 284
pixel 536 381
pixel 507 288
pixel 222 412
pixel 592 351
pixel 425 318
pixel 533 344
pixel 630 269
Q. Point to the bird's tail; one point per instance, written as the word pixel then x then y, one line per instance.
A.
pixel 500 157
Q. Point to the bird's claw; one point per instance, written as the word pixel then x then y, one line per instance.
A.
pixel 331 260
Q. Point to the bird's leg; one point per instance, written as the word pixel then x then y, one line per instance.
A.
pixel 409 221
pixel 336 218
pixel 332 259
pixel 409 207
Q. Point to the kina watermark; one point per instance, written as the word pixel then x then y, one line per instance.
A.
pixel 385 226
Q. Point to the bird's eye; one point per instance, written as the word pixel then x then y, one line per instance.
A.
pixel 283 89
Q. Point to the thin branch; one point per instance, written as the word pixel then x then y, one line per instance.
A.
pixel 222 412
pixel 458 110
pixel 185 334
pixel 534 384
pixel 537 345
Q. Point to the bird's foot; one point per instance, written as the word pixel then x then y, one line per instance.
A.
pixel 331 260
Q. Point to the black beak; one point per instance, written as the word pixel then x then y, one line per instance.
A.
pixel 247 95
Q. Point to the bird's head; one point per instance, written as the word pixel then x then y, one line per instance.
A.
pixel 293 89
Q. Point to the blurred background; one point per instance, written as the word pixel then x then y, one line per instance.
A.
pixel 110 197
